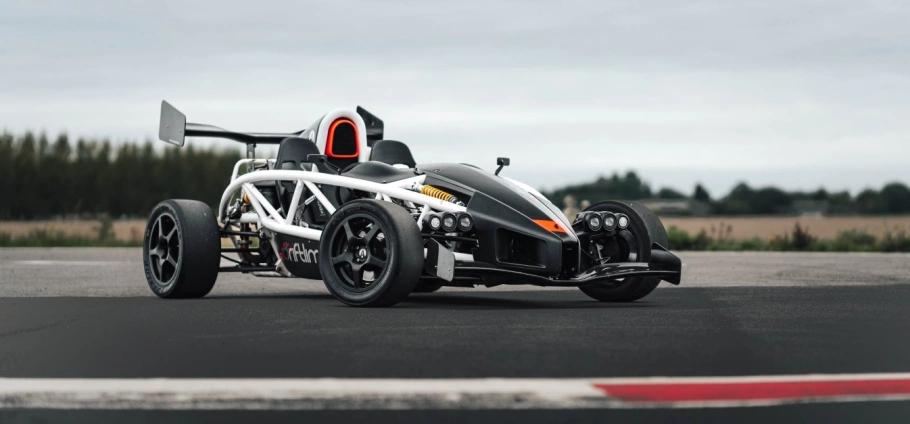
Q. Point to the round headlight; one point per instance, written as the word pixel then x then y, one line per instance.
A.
pixel 435 222
pixel 623 222
pixel 594 222
pixel 449 222
pixel 609 221
pixel 465 222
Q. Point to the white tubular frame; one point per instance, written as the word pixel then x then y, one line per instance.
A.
pixel 267 217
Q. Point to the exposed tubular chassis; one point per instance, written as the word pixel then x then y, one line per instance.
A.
pixel 268 219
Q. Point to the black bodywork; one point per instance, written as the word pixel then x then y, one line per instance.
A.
pixel 513 248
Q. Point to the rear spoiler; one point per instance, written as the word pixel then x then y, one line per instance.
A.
pixel 174 129
pixel 375 127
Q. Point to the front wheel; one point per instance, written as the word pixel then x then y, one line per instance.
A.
pixel 371 253
pixel 181 250
pixel 644 229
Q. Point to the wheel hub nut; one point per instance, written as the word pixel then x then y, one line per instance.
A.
pixel 360 255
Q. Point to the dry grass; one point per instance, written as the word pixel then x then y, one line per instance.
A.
pixel 126 230
pixel 742 228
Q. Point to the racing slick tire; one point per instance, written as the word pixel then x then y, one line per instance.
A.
pixel 371 253
pixel 646 228
pixel 181 249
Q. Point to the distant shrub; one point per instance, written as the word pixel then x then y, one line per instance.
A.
pixel 106 229
pixel 801 239
pixel 681 240
pixel 895 242
pixel 852 241
pixel 678 239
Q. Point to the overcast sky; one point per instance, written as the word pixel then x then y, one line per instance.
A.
pixel 799 94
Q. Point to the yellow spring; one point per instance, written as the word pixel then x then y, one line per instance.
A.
pixel 437 193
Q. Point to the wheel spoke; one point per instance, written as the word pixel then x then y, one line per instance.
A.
pixel 160 225
pixel 357 275
pixel 375 262
pixel 347 230
pixel 171 233
pixel 342 258
pixel 155 262
pixel 152 239
pixel 172 261
pixel 368 237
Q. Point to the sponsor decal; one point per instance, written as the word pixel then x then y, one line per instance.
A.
pixel 297 252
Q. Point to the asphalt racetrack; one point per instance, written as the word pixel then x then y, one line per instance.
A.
pixel 826 321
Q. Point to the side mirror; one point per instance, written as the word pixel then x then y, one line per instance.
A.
pixel 316 159
pixel 502 162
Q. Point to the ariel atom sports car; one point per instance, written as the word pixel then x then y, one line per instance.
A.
pixel 341 204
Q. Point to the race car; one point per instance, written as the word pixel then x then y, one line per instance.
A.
pixel 341 204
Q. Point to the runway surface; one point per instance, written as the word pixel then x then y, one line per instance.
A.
pixel 87 313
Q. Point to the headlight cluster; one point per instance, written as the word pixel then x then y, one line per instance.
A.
pixel 603 221
pixel 449 222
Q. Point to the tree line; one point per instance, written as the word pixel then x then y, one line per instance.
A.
pixel 893 198
pixel 44 178
pixel 41 178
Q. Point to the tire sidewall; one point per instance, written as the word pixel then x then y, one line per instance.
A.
pixel 160 209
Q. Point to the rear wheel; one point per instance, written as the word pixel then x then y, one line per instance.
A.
pixel 371 253
pixel 634 244
pixel 181 249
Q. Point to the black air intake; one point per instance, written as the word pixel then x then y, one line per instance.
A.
pixel 519 249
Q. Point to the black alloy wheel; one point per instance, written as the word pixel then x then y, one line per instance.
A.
pixel 371 253
pixel 164 249
pixel 359 251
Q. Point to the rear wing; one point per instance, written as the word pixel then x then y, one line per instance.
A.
pixel 374 125
pixel 174 129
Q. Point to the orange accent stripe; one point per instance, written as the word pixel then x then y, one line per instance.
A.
pixel 331 139
pixel 548 225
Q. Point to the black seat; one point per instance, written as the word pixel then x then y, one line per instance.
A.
pixel 392 152
pixel 292 152
pixel 292 156
pixel 378 172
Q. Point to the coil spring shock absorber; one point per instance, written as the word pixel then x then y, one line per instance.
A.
pixel 439 194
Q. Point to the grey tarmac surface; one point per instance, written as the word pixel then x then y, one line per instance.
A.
pixel 117 272
pixel 88 313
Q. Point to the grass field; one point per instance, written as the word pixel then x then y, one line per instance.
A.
pixel 123 230
pixel 826 228
pixel 735 228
